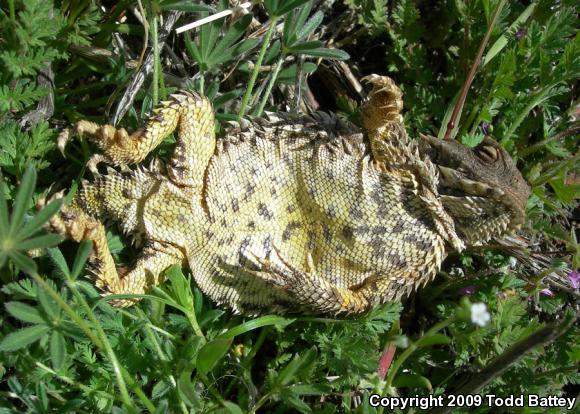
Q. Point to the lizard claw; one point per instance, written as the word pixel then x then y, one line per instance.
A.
pixel 94 161
pixel 63 138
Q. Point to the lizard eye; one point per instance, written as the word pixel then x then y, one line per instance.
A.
pixel 488 154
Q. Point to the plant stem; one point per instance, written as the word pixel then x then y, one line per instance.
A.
pixel 12 10
pixel 96 339
pixel 469 80
pixel 574 130
pixel 254 76
pixel 156 66
pixel 73 383
pixel 273 77
pixel 67 309
pixel 408 352
pixel 120 373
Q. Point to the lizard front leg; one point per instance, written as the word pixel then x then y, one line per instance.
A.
pixel 319 295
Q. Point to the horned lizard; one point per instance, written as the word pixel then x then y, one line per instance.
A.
pixel 288 214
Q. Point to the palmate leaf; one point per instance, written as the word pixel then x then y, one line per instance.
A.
pixel 17 236
pixel 210 50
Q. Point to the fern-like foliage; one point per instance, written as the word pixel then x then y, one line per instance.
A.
pixel 19 149
pixel 28 45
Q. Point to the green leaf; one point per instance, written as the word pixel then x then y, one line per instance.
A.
pixel 435 339
pixel 304 46
pixel 25 263
pixel 326 53
pixel 295 366
pixel 310 26
pixel 186 6
pixel 23 197
pixel 472 141
pixel 162 407
pixel 35 224
pixel 81 257
pixel 289 74
pixel 57 350
pixel 232 407
pixel 566 193
pixel 290 398
pixel 257 323
pixel 231 36
pixel 226 97
pixel 46 240
pixel 24 312
pixel 4 224
pixel 294 22
pixel 58 259
pixel 209 355
pixel 412 381
pixel 23 337
pixel 311 389
pixel 163 387
pixel 502 41
pixel 180 287
pixel 287 6
pixel 187 390
pixel 49 307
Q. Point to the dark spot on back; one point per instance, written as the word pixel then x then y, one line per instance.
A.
pixel 362 230
pixel 290 229
pixel 399 262
pixel 250 190
pixel 311 239
pixel 399 226
pixel 241 250
pixel 379 230
pixel 265 212
pixel 420 242
pixel 267 246
pixel 355 213
pixel 326 233
pixel 347 232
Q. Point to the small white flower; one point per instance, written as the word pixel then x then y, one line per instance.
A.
pixel 479 314
pixel 512 262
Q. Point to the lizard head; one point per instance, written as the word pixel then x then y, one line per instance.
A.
pixel 481 187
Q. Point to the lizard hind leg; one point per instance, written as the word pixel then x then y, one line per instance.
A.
pixel 191 112
pixel 75 224
pixel 196 141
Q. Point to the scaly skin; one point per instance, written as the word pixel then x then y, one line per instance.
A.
pixel 283 215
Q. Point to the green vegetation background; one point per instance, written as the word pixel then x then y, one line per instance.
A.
pixel 62 349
